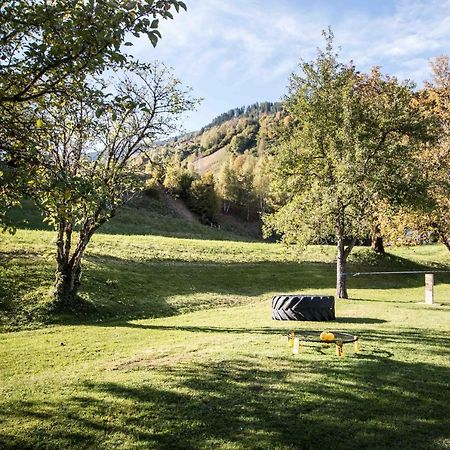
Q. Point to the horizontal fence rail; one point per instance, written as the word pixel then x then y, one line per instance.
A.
pixel 356 274
pixel 429 279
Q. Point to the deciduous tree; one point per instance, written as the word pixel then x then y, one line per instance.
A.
pixel 203 199
pixel 42 44
pixel 420 221
pixel 88 146
pixel 349 143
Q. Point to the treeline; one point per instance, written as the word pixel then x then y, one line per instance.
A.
pixel 241 129
pixel 254 111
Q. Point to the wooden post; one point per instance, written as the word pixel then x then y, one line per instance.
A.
pixel 429 285
pixel 296 347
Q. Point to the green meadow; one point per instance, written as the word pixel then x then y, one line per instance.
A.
pixel 174 347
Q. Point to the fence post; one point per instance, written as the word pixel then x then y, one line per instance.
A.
pixel 429 285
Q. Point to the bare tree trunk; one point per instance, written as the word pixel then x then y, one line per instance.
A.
pixel 341 285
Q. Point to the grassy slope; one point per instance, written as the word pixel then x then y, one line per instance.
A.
pixel 151 365
pixel 213 162
pixel 146 215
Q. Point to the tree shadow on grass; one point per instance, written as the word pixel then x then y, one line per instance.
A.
pixel 249 401
pixel 153 288
pixel 132 289
pixel 366 257
pixel 360 320
pixel 431 341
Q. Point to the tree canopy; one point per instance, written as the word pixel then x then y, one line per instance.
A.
pixel 41 42
pixel 349 144
pixel 416 222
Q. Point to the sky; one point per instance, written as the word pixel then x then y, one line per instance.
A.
pixel 238 52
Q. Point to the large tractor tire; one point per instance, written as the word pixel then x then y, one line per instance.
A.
pixel 303 307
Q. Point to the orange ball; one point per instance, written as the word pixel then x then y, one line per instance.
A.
pixel 327 336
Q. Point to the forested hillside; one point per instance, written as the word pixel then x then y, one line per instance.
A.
pixel 221 168
pixel 247 128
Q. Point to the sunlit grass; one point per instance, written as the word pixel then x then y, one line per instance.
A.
pixel 177 349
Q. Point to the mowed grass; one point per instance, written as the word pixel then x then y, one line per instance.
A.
pixel 175 348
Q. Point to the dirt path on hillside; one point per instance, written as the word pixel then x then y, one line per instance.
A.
pixel 179 207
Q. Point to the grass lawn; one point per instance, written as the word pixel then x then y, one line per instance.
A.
pixel 176 349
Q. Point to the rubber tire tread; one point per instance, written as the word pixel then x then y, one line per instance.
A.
pixel 303 307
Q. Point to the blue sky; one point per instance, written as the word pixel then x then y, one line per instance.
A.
pixel 238 52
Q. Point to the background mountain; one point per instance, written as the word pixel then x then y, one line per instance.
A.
pixel 220 171
pixel 247 129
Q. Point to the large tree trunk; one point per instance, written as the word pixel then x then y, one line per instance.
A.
pixel 377 241
pixel 341 260
pixel 68 266
pixel 377 245
pixel 446 242
pixel 67 283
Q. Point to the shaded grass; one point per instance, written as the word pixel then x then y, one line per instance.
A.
pixel 181 383
pixel 148 276
pixel 178 350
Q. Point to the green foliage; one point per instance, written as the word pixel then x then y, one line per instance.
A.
pixel 177 179
pixel 43 46
pixel 423 220
pixel 19 123
pixel 203 200
pixel 44 42
pixel 349 144
pixel 243 185
pixel 238 134
pixel 227 185
pixel 261 185
pixel 240 143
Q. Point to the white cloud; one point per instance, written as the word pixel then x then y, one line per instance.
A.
pixel 403 41
pixel 252 46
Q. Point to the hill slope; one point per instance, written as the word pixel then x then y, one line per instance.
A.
pixel 158 215
pixel 211 163
pixel 238 131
